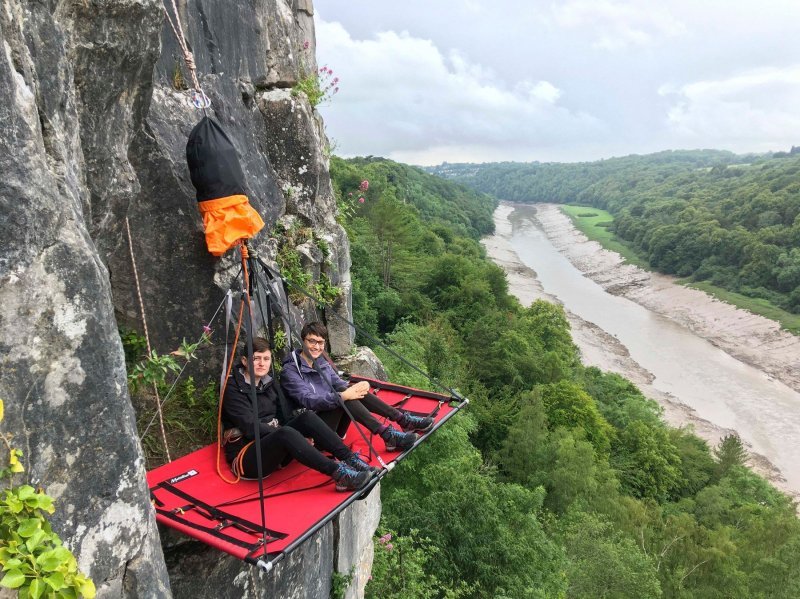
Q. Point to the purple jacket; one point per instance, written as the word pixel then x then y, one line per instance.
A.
pixel 308 387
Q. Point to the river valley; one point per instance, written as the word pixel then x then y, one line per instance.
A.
pixel 708 364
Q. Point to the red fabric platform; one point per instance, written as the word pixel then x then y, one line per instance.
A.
pixel 190 496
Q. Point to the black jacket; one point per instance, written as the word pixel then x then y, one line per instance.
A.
pixel 237 410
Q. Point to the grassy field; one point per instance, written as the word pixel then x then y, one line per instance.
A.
pixel 594 223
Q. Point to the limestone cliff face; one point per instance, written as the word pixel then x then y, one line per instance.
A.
pixel 93 127
pixel 74 81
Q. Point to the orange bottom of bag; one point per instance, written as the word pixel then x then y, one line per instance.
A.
pixel 227 220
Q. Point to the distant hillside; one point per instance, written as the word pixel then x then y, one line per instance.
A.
pixel 437 201
pixel 710 215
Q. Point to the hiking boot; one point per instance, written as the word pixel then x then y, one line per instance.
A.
pixel 356 462
pixel 418 424
pixel 396 440
pixel 348 479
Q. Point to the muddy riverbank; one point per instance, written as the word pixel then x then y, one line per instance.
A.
pixel 750 339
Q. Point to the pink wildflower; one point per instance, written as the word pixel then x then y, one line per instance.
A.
pixel 364 185
pixel 306 45
pixel 360 200
pixel 386 538
pixel 349 194
pixel 389 546
pixel 206 329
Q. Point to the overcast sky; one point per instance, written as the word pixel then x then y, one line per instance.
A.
pixel 427 81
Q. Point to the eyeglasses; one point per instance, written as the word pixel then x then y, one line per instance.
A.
pixel 314 342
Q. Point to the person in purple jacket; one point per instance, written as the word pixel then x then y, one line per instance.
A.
pixel 308 379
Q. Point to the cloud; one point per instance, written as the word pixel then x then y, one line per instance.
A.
pixel 618 25
pixel 759 104
pixel 402 97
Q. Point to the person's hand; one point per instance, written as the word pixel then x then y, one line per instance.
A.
pixel 357 391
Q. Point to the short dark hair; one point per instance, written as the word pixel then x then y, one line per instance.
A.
pixel 314 328
pixel 259 345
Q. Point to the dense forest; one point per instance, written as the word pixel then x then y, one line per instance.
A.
pixel 713 216
pixel 559 480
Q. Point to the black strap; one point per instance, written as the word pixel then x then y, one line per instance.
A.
pixel 210 530
pixel 216 514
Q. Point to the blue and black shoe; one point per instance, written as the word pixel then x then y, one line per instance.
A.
pixel 418 424
pixel 396 440
pixel 356 462
pixel 349 479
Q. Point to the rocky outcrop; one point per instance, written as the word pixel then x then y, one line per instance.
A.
pixel 71 90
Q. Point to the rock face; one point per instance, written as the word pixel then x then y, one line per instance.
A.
pixel 248 56
pixel 93 125
pixel 71 88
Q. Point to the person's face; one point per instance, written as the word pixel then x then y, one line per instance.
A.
pixel 261 362
pixel 313 346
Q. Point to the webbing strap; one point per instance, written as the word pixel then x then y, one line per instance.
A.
pixel 212 531
pixel 216 514
pixel 228 317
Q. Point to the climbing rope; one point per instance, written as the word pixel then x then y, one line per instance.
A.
pixel 198 98
pixel 159 412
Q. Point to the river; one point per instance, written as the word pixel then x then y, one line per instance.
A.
pixel 697 382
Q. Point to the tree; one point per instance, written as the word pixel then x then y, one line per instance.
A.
pixel 729 453
pixel 647 461
pixel 603 563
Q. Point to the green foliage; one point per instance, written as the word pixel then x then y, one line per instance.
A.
pixel 291 266
pixel 729 453
pixel 696 464
pixel 292 270
pixel 401 569
pixel 618 400
pixel 561 480
pixel 598 226
pixel 155 368
pixel 32 557
pixel 647 461
pixel 189 413
pixel 326 292
pixel 133 344
pixel 603 562
pixel 318 85
pixel 340 582
pixel 488 532
pixel 569 406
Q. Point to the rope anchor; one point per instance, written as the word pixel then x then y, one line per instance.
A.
pixel 198 99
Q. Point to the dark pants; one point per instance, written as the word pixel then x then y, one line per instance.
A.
pixel 290 441
pixel 362 410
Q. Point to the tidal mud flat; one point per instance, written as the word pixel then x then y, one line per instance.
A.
pixel 746 337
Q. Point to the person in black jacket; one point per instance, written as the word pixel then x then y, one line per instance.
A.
pixel 280 442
